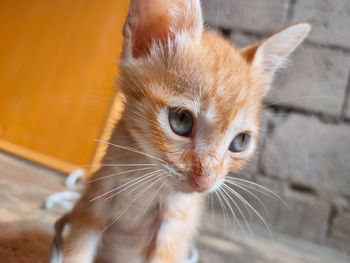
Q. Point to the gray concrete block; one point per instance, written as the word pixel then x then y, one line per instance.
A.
pixel 330 20
pixel 308 152
pixel 307 217
pixel 315 80
pixel 251 15
pixel 241 40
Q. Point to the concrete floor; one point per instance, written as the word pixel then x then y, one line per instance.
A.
pixel 26 228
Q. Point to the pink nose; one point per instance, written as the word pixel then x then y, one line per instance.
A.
pixel 201 183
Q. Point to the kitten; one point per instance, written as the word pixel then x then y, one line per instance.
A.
pixel 192 104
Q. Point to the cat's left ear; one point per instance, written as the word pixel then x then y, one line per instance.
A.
pixel 271 53
pixel 159 21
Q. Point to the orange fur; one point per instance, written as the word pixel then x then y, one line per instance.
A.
pixel 169 60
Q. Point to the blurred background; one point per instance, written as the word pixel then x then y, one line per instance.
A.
pixel 58 66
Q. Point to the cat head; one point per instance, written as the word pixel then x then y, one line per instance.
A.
pixel 192 99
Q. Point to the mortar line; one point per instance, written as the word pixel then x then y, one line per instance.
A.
pixel 333 213
pixel 346 97
pixel 323 117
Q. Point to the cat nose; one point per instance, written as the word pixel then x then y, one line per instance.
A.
pixel 201 182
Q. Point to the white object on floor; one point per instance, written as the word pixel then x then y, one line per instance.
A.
pixel 62 199
pixel 66 199
pixel 73 177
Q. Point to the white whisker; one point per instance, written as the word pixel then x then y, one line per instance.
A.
pixel 119 165
pixel 132 150
pixel 253 209
pixel 220 190
pixel 211 206
pixel 124 172
pixel 222 209
pixel 129 204
pixel 115 189
pixel 150 201
pixel 154 176
pixel 149 175
pixel 249 192
pixel 259 186
pixel 245 206
pixel 223 192
pixel 240 211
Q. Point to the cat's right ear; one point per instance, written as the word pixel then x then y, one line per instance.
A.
pixel 159 21
pixel 271 53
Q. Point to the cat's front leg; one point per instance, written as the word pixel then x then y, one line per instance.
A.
pixel 81 243
pixel 179 224
pixel 81 247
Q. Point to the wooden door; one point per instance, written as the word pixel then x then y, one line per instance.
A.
pixel 58 62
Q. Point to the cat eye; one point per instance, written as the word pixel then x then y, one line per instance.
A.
pixel 240 142
pixel 181 121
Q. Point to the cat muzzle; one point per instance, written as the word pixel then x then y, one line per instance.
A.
pixel 201 183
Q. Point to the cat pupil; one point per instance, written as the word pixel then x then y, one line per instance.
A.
pixel 243 140
pixel 182 117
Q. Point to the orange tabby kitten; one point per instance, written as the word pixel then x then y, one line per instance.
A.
pixel 192 104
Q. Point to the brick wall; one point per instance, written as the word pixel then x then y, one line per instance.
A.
pixel 304 152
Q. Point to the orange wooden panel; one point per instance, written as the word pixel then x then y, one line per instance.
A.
pixel 57 73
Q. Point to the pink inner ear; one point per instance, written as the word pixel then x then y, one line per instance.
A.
pixel 153 21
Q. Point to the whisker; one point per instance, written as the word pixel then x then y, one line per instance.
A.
pixel 253 209
pixel 249 192
pixel 261 187
pixel 115 189
pixel 173 172
pixel 245 206
pixel 111 175
pixel 240 211
pixel 129 204
pixel 147 178
pixel 222 208
pixel 211 205
pixel 154 176
pixel 132 150
pixel 119 165
pixel 257 190
pixel 231 210
pixel 150 201
pixel 223 192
